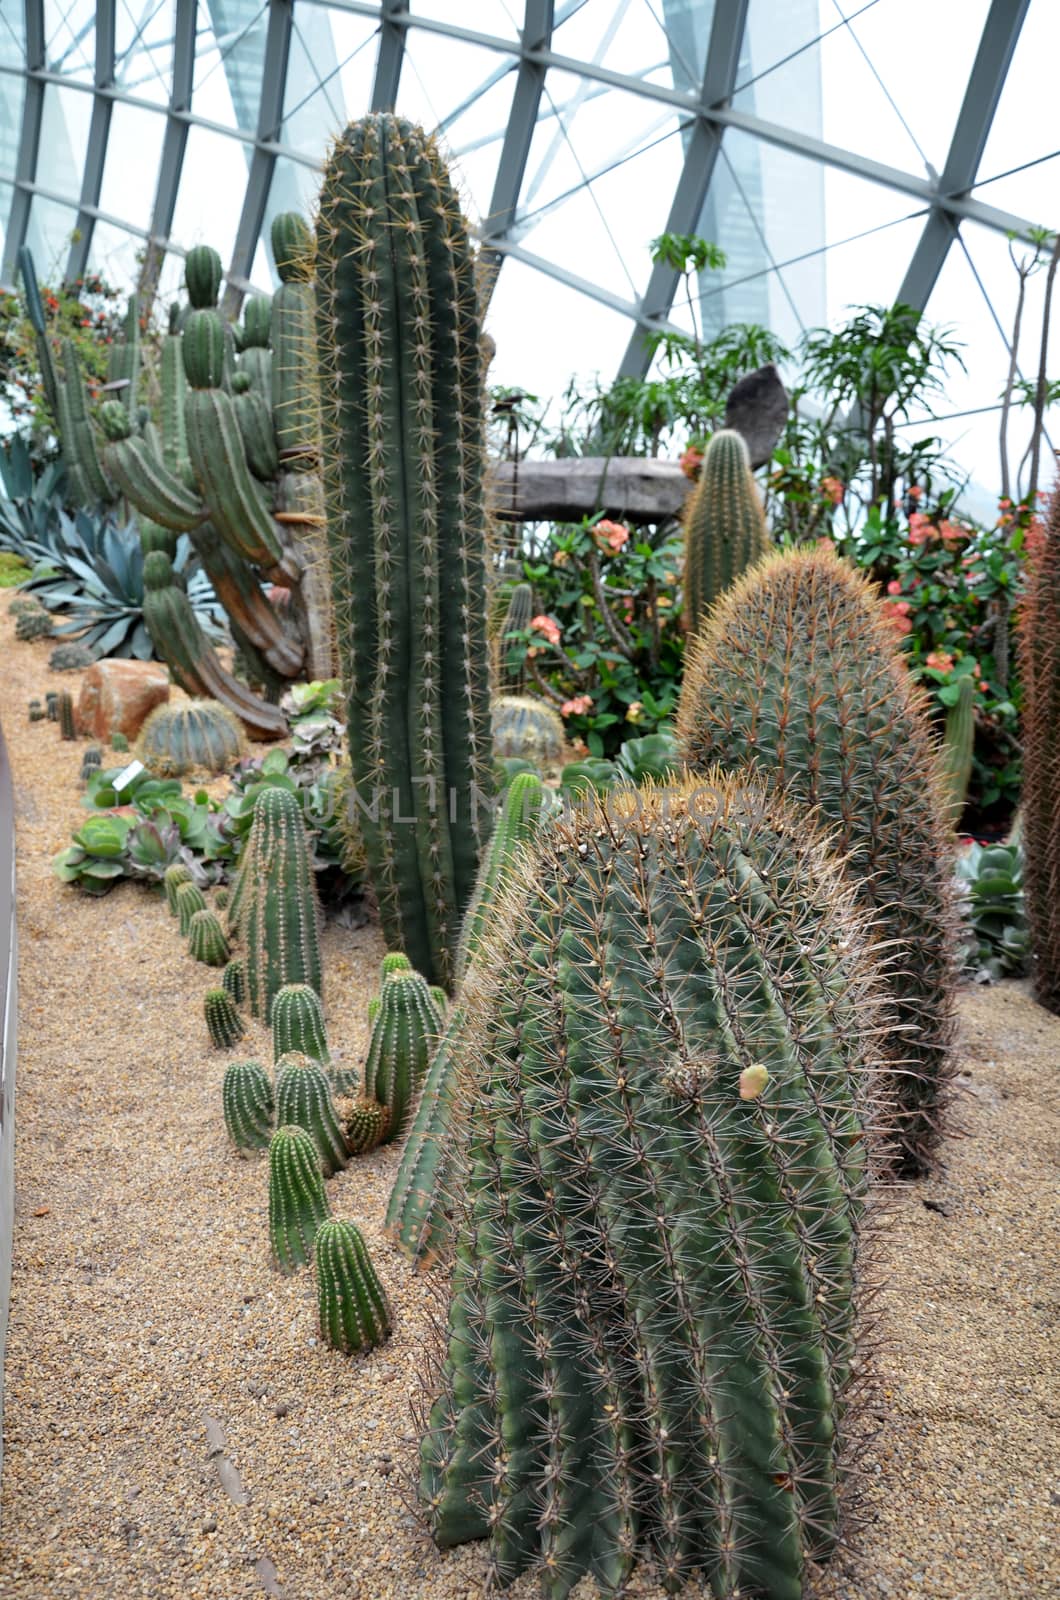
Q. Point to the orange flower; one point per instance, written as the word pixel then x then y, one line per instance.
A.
pixel 833 489
pixel 939 661
pixel 548 626
pixel 691 461
pixel 610 536
pixel 914 491
pixel 897 614
pixel 576 707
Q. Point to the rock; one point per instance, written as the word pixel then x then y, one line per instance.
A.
pixel 757 407
pixel 116 697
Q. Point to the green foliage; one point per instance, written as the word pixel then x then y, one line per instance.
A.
pixel 353 1308
pixel 94 861
pixel 222 1019
pixel 246 1094
pixel 297 1202
pixel 303 1100
pixel 996 940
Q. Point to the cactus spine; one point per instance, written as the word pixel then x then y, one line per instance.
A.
pixel 177 738
pixel 172 879
pixel 206 940
pixel 796 674
pixel 404 1032
pixel 188 901
pixel 526 729
pixel 298 1023
pixel 958 744
pixel 247 1097
pixel 303 1100
pixel 354 1311
pixel 725 526
pixel 278 912
pixel 222 1019
pixel 652 1312
pixel 297 1202
pixel 1040 665
pixel 401 388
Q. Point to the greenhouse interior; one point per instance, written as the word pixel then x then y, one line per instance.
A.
pixel 529 799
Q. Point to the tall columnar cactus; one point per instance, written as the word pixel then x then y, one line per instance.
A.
pixel 303 1100
pixel 248 1105
pixel 123 362
pixel 206 939
pixel 297 1202
pixel 402 404
pixel 177 738
pixel 527 729
pixel 416 1215
pixel 234 980
pixel 172 879
pixel 512 680
pixel 1040 668
pixel 279 911
pixel 725 526
pixel 67 727
pixel 298 1023
pixel 188 901
pixel 797 674
pixel 222 1019
pixel 404 1032
pixel 354 1310
pixel 667 1062
pixel 958 746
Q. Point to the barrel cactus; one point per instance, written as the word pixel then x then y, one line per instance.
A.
pixel 303 1100
pixel 403 425
pixel 234 980
pixel 796 674
pixel 526 729
pixel 364 1122
pixel 1040 666
pixel 222 1019
pixel 668 1063
pixel 174 877
pixel 188 901
pixel 406 1026
pixel 725 526
pixel 70 658
pixel 353 1307
pixel 246 1094
pixel 206 939
pixel 279 914
pixel 297 1202
pixel 298 1022
pixel 177 739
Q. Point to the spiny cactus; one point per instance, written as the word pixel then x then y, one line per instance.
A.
pixel 298 1023
pixel 526 729
pixel 667 1069
pixel 32 625
pixel 91 762
pixel 725 526
pixel 394 961
pixel 796 673
pixel 279 914
pixel 234 980
pixel 958 744
pixel 416 1214
pixel 404 1031
pixel 353 1307
pixel 67 727
pixel 222 1019
pixel 220 898
pixel 70 658
pixel 202 275
pixel 512 680
pixel 402 403
pixel 248 1106
pixel 119 742
pixel 297 1202
pixel 206 940
pixel 172 879
pixel 189 901
pixel 175 739
pixel 303 1100
pixel 24 605
pixel 37 712
pixel 51 702
pixel 364 1124
pixel 1040 667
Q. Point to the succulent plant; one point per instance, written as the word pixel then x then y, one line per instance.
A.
pixel 526 729
pixel 33 625
pixel 37 712
pixel 70 658
pixel 278 911
pixel 725 526
pixel 176 739
pixel 364 1123
pixel 796 674
pixel 404 1031
pixel 248 1105
pixel 206 939
pixel 394 961
pixel 118 741
pixel 958 743
pixel 303 1100
pixel 667 1078
pixel 222 1019
pixel 991 899
pixel 297 1202
pixel 67 726
pixel 298 1023
pixel 188 900
pixel 172 879
pixel 655 756
pixel 353 1307
pixel 234 980
pixel 404 474
pixel 1040 668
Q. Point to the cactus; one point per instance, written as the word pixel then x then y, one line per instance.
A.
pixel 364 1123
pixel 298 1023
pixel 248 1106
pixel 37 712
pixel 725 526
pixel 653 1307
pixel 958 742
pixel 51 702
pixel 119 742
pixel 512 680
pixel 222 1019
pixel 404 1031
pixel 23 605
pixel 526 729
pixel 123 364
pixel 220 898
pixel 279 905
pixel 354 1311
pixel 394 961
pixel 67 728
pixel 91 762
pixel 294 407
pixel 234 980
pixel 402 402
pixel 206 940
pixel 416 1213
pixel 70 658
pixel 797 674
pixel 32 625
pixel 172 879
pixel 303 1100
pixel 189 901
pixel 175 739
pixel 1040 668
pixel 297 1202
pixel 202 276
pixel 75 428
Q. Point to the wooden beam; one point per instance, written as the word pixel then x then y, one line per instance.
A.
pixel 629 488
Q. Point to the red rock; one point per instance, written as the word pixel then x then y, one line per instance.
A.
pixel 117 695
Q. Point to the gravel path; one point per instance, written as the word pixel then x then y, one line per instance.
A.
pixel 152 1353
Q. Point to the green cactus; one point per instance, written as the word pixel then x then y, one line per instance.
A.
pixel 958 744
pixel 206 940
pixel 37 712
pixel 174 390
pixel 67 726
pixel 32 625
pixel 123 363
pixel 303 1100
pixel 353 1307
pixel 416 1213
pixel 512 679
pixel 394 961
pixel 402 402
pixel 222 1019
pixel 248 1105
pixel 91 762
pixel 70 658
pixel 668 1068
pixel 119 742
pixel 189 901
pixel 279 910
pixel 220 898
pixel 172 879
pixel 404 1031
pixel 294 408
pixel 297 1202
pixel 725 526
pixel 364 1123
pixel 255 425
pixel 202 276
pixel 78 437
pixel 176 739
pixel 234 980
pixel 51 702
pixel 24 604
pixel 797 674
pixel 526 729
pixel 298 1023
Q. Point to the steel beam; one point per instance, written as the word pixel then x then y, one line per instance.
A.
pixel 29 140
pixel 173 146
pixel 393 22
pixel 719 77
pixel 263 161
pixel 96 150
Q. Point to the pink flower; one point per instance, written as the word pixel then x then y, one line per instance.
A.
pixel 825 543
pixel 576 707
pixel 939 660
pixel 897 614
pixel 610 536
pixel 833 489
pixel 895 586
pixel 914 491
pixel 919 528
pixel 548 626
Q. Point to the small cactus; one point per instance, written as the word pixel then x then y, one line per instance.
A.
pixel 725 526
pixel 176 739
pixel 354 1311
pixel 303 1100
pixel 365 1124
pixel 248 1107
pixel 51 701
pixel 172 879
pixel 403 1033
pixel 297 1202
pixel 67 728
pixel 512 679
pixel 222 1019
pixel 206 939
pixel 189 900
pixel 33 625
pixel 24 605
pixel 70 658
pixel 37 712
pixel 91 762
pixel 526 729
pixel 298 1023
pixel 958 746
pixel 394 961
pixel 220 898
pixel 234 980
pixel 119 742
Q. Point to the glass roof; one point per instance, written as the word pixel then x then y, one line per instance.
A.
pixel 839 151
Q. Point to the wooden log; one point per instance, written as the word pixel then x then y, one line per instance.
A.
pixel 627 488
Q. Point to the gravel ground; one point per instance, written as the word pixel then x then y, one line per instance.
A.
pixel 153 1355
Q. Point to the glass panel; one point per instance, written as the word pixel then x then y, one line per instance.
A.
pixel 171 279
pixel 12 95
pixel 143 47
pixel 622 35
pixel 50 231
pixel 70 36
pixel 115 255
pixel 261 273
pixel 12 41
pixel 473 139
pixel 230 60
pixel 502 18
pixel 63 139
pixel 1024 125
pixel 331 64
pixel 211 191
pixel 440 75
pixel 546 331
pixel 134 150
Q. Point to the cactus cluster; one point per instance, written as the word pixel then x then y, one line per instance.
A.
pixel 526 729
pixel 278 910
pixel 303 1100
pixel 1040 668
pixel 725 526
pixel 34 624
pixel 246 1095
pixel 222 1019
pixel 353 1307
pixel 70 658
pixel 297 1202
pixel 405 1027
pixel 403 444
pixel 176 739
